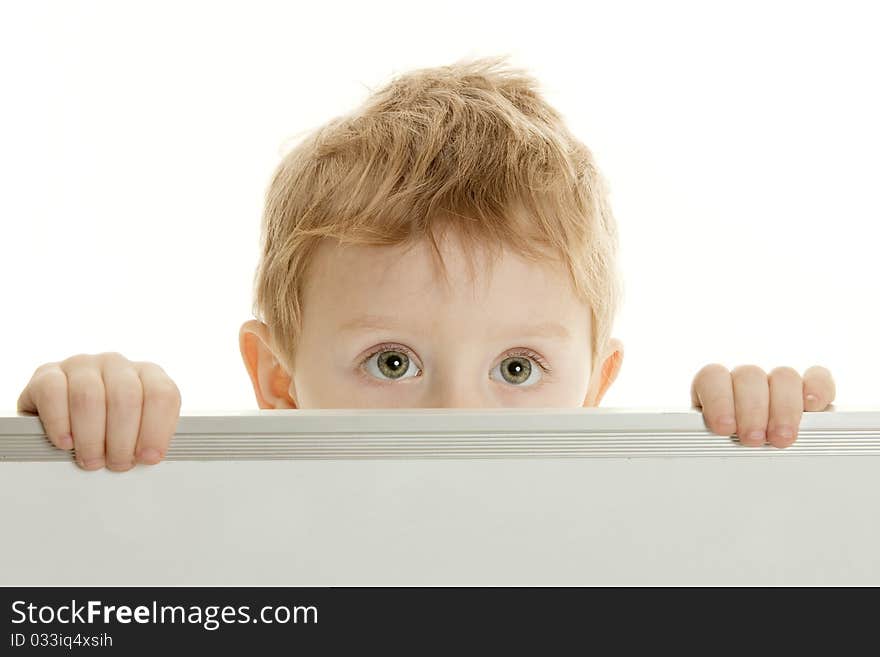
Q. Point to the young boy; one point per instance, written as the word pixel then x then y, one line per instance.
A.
pixel 447 244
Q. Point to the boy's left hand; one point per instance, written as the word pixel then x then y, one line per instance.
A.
pixel 756 406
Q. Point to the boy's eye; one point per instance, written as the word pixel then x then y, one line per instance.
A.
pixel 395 364
pixel 391 364
pixel 517 370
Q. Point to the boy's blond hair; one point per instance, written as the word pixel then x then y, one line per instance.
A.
pixel 471 146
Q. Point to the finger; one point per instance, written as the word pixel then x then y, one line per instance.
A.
pixel 46 395
pixel 160 413
pixel 751 393
pixel 88 411
pixel 786 406
pixel 819 388
pixel 125 398
pixel 712 391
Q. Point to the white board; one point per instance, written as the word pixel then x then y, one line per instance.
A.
pixel 450 497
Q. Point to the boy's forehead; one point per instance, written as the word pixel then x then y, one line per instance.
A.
pixel 351 281
pixel 414 269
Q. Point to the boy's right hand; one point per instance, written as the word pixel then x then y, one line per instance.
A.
pixel 87 397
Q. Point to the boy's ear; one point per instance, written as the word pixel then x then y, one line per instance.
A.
pixel 270 380
pixel 604 376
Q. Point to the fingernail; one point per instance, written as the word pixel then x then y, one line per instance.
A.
pixel 150 455
pixel 727 422
pixel 812 398
pixel 784 431
pixel 94 463
pixel 756 436
pixel 66 442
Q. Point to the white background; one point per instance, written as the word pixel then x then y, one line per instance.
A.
pixel 741 143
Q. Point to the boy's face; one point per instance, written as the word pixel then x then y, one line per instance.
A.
pixel 471 345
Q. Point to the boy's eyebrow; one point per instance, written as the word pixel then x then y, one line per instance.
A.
pixel 550 330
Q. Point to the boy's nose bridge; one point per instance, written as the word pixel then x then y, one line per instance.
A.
pixel 452 389
pixel 458 398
